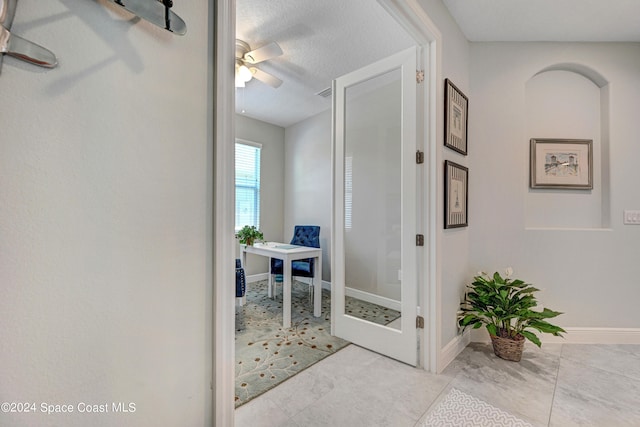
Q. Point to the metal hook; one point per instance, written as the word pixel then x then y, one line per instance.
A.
pixel 158 12
pixel 167 18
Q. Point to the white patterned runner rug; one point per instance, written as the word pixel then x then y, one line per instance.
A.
pixel 459 409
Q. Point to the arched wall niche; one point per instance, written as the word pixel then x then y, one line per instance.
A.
pixel 570 101
pixel 585 71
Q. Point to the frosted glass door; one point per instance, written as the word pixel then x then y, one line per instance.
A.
pixel 374 207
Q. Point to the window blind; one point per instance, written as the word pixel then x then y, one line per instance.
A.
pixel 247 185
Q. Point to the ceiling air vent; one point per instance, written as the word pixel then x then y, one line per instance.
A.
pixel 325 93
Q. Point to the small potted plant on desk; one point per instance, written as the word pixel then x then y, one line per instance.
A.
pixel 248 235
pixel 504 307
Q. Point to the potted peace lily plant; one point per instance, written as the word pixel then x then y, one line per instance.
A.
pixel 249 234
pixel 505 307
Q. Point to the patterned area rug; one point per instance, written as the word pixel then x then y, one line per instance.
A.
pixel 460 409
pixel 267 354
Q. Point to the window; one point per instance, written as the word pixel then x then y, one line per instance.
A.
pixel 247 184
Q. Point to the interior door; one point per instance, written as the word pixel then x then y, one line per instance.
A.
pixel 374 271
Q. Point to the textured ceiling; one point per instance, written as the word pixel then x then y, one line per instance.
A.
pixel 321 41
pixel 325 39
pixel 548 20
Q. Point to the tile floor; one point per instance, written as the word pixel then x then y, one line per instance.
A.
pixel 559 385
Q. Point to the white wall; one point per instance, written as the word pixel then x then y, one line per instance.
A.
pixel 566 104
pixel 453 244
pixel 271 183
pixel 591 274
pixel 105 223
pixel 307 184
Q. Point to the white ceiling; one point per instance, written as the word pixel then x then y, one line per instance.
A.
pixel 325 39
pixel 548 20
pixel 321 41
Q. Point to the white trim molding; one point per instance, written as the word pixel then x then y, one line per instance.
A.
pixel 578 335
pixel 412 16
pixel 265 276
pixel 574 335
pixel 257 277
pixel 373 298
pixel 453 349
pixel 350 292
pixel 222 239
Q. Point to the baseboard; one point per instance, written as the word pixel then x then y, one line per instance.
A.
pixel 578 335
pixel 257 277
pixel 374 299
pixel 265 276
pixel 325 285
pixel 355 293
pixel 452 350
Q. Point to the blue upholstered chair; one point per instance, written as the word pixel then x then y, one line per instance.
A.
pixel 240 283
pixel 303 235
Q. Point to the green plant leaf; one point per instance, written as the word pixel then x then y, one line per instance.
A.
pixel 547 314
pixel 546 327
pixel 493 330
pixel 527 290
pixel 531 337
pixel 470 318
pixel 502 303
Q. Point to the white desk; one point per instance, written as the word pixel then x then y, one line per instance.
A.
pixel 288 253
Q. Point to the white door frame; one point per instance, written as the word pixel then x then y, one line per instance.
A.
pixel 413 18
pixel 222 33
pixel 417 23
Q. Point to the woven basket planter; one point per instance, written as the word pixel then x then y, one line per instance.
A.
pixel 507 348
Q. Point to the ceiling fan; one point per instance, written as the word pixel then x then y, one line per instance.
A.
pixel 247 58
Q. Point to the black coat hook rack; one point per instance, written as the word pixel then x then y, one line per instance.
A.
pixel 158 12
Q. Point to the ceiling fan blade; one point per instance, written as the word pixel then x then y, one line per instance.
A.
pixel 263 53
pixel 265 77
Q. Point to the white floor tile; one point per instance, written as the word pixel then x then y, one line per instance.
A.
pixel 558 385
pixel 301 391
pixel 353 408
pixel 593 397
pixel 618 359
pixel 260 412
pixel 523 388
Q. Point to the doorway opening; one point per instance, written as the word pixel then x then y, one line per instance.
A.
pixel 411 18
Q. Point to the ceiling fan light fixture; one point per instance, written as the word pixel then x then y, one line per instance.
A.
pixel 244 73
pixel 245 58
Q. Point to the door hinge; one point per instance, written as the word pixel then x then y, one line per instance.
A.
pixel 419 322
pixel 419 157
pixel 419 76
pixel 419 239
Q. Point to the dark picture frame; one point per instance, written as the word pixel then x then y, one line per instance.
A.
pixel 456 195
pixel 565 164
pixel 456 117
